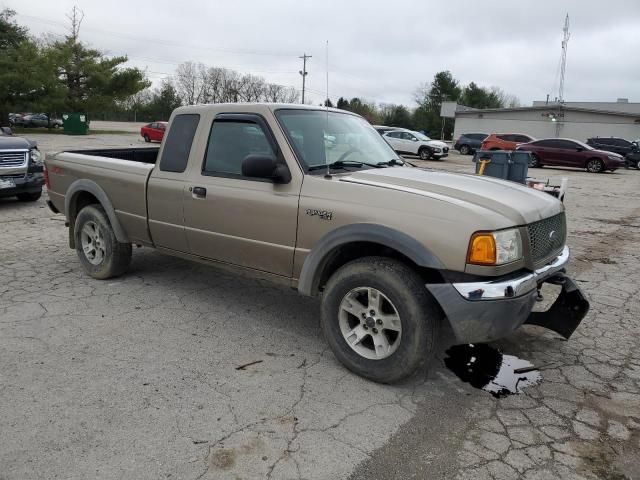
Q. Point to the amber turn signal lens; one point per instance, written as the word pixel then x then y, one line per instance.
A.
pixel 482 249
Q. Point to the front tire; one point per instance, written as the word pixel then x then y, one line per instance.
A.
pixel 465 150
pixel 379 319
pixel 29 196
pixel 423 153
pixel 100 253
pixel 595 165
pixel 147 139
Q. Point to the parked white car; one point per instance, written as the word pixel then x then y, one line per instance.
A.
pixel 416 143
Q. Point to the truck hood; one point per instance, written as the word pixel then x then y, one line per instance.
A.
pixel 14 143
pixel 517 203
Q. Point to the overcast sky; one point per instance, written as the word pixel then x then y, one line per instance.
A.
pixel 378 50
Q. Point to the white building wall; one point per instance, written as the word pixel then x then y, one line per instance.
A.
pixel 577 125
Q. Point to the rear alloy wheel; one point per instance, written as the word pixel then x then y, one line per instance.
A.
pixel 637 165
pixel 465 150
pixel 534 162
pixel 146 138
pixel 424 153
pixel 100 253
pixel 595 165
pixel 379 319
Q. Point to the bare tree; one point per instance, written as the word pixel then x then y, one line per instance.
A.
pixel 195 83
pixel 506 99
pixel 190 82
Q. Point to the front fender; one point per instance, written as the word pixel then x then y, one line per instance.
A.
pixel 308 283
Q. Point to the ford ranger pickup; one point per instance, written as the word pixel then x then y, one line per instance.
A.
pixel 394 251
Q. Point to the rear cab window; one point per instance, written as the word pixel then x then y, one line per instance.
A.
pixel 177 147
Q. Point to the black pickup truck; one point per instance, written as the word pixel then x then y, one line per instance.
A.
pixel 21 167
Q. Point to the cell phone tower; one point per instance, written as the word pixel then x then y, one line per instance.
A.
pixel 563 61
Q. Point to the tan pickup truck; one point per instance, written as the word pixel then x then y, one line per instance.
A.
pixel 317 200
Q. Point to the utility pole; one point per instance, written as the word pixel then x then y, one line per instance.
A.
pixel 304 72
pixel 563 60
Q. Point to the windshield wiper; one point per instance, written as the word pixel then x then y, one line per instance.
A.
pixel 393 161
pixel 343 163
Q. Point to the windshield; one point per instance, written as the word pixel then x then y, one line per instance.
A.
pixel 321 138
pixel 421 136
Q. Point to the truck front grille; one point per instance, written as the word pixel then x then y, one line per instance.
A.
pixel 12 159
pixel 547 237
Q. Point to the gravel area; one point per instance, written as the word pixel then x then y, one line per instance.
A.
pixel 137 377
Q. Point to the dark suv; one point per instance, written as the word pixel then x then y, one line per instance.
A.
pixel 613 144
pixel 468 143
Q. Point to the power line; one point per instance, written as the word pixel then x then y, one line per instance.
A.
pixel 159 41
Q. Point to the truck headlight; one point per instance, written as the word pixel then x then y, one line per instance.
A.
pixel 35 156
pixel 495 248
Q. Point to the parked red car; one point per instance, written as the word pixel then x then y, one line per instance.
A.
pixel 504 141
pixel 153 132
pixel 565 152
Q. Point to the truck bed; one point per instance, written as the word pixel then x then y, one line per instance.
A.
pixel 141 155
pixel 121 173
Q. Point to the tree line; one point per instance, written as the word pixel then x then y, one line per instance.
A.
pixel 429 98
pixel 66 75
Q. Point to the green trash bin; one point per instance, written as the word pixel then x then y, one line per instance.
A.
pixel 75 123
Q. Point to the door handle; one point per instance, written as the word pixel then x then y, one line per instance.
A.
pixel 199 191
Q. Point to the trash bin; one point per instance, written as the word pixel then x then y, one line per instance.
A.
pixel 497 163
pixel 75 123
pixel 503 164
pixel 519 167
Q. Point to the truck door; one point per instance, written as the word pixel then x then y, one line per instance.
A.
pixel 167 187
pixel 244 221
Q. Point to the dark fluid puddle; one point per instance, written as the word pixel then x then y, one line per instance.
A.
pixel 488 369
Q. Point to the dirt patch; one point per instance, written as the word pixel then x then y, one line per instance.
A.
pixel 224 459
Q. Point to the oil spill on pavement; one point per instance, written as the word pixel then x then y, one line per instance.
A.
pixel 488 369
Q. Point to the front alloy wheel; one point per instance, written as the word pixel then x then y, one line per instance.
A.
pixel 595 166
pixel 370 323
pixel 465 150
pixel 424 154
pixel 379 319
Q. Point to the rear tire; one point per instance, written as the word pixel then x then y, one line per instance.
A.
pixel 29 196
pixel 147 139
pixel 424 153
pixel 465 150
pixel 395 340
pixel 100 253
pixel 595 165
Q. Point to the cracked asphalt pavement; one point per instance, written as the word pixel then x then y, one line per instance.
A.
pixel 137 377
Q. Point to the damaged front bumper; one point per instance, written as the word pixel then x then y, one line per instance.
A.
pixel 483 311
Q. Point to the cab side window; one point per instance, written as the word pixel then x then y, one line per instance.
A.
pixel 230 142
pixel 178 144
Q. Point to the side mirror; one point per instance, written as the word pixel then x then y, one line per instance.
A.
pixel 265 166
pixel 414 139
pixel 579 149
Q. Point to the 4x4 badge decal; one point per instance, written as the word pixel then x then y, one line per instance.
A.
pixel 323 214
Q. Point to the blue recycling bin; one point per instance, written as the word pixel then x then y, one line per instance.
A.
pixel 513 166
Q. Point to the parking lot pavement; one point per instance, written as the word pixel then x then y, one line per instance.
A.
pixel 137 377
